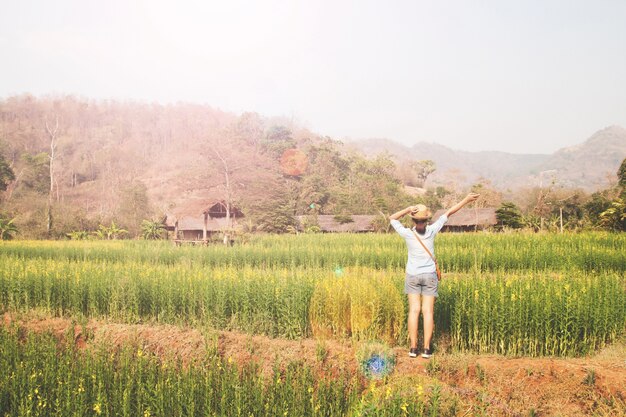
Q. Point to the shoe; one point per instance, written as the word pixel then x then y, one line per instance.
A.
pixel 413 352
pixel 427 353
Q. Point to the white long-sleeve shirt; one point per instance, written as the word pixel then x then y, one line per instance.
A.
pixel 418 261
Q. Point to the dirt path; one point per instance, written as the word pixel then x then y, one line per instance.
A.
pixel 493 384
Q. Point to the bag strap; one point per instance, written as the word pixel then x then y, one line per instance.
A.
pixel 424 246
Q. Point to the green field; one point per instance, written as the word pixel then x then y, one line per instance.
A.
pixel 513 294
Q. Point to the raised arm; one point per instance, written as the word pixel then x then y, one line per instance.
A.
pixel 398 214
pixel 471 197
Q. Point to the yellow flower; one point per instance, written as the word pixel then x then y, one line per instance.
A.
pixel 372 386
pixel 420 390
pixel 97 409
pixel 230 359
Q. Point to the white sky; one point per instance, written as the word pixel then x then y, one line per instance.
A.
pixel 519 76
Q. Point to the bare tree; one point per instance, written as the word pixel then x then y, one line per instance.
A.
pixel 226 164
pixel 227 170
pixel 52 134
pixel 540 207
pixel 232 167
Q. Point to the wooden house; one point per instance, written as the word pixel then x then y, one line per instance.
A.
pixel 197 221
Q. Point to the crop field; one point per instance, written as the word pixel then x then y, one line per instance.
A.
pixel 533 300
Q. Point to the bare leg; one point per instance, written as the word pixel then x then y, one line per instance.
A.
pixel 428 306
pixel 414 314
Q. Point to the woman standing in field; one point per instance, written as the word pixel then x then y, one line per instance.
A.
pixel 421 281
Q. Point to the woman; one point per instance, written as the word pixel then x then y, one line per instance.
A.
pixel 421 281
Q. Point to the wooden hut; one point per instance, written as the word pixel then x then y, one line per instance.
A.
pixel 468 219
pixel 328 223
pixel 196 221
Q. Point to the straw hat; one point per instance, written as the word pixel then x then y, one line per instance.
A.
pixel 420 212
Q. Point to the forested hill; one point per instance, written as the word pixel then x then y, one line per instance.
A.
pixel 128 161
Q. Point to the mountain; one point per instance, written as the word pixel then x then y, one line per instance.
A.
pixel 588 165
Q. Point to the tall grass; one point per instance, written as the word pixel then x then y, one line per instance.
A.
pixel 271 301
pixel 534 314
pixel 40 378
pixel 521 313
pixel 598 251
pixel 365 304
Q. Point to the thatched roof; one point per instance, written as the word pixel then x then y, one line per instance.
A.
pixel 197 223
pixel 327 223
pixel 197 207
pixel 470 217
pixel 191 215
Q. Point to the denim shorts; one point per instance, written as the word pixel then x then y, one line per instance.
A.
pixel 425 284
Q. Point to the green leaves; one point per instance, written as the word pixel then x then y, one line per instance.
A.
pixel 7 228
pixel 152 229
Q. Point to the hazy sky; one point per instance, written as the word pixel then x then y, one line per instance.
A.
pixel 519 76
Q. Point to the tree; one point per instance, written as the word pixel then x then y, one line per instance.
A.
pixel 276 218
pixel 614 217
pixel 249 128
pixel 152 229
pixel 489 196
pixel 621 175
pixel 6 173
pixel 78 235
pixel 52 134
pixel 509 215
pixel 227 169
pixel 277 140
pixel 567 208
pixel 36 173
pixel 598 204
pixel 110 232
pixel 134 206
pixel 310 223
pixel 275 213
pixel 7 228
pixel 423 168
